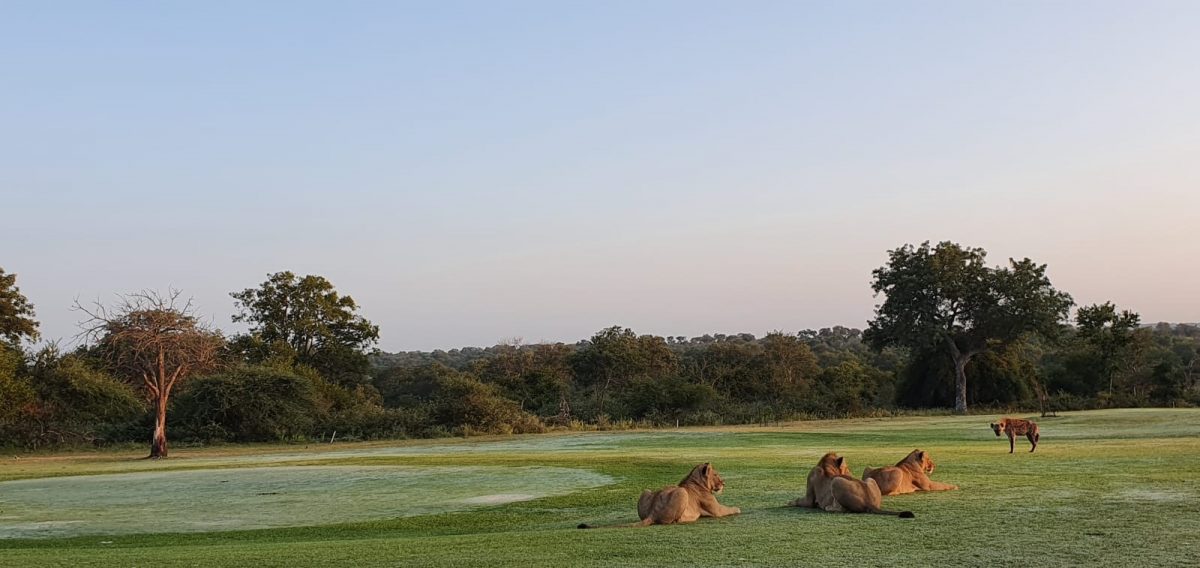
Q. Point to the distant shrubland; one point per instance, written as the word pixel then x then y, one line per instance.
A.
pixel 307 368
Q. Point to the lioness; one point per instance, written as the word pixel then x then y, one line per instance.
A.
pixel 830 487
pixel 1016 427
pixel 908 476
pixel 693 498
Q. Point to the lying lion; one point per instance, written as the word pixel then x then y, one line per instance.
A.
pixel 830 487
pixel 693 498
pixel 908 476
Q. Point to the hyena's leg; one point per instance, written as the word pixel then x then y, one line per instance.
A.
pixel 1011 442
pixel 1033 439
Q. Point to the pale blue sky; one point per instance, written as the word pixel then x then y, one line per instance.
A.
pixel 485 170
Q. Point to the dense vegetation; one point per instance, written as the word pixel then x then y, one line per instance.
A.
pixel 306 368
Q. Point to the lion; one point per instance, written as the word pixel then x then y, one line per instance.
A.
pixel 831 488
pixel 1016 427
pixel 908 476
pixel 693 498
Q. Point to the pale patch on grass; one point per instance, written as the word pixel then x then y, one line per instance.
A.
pixel 499 498
pixel 254 498
pixel 1143 494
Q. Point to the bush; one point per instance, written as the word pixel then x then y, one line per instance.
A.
pixel 465 402
pixel 249 403
pixel 16 393
pixel 368 421
pixel 665 400
pixel 61 399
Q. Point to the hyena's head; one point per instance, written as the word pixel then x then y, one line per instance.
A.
pixel 998 429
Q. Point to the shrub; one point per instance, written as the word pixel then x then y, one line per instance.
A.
pixel 463 401
pixel 249 403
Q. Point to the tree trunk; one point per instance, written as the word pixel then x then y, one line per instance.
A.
pixel 960 382
pixel 158 443
pixel 960 358
pixel 564 410
pixel 604 390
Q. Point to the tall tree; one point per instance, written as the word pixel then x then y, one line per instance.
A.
pixel 946 297
pixel 615 355
pixel 310 317
pixel 16 313
pixel 788 362
pixel 154 340
pixel 536 376
pixel 1112 334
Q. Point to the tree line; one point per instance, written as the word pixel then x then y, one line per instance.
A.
pixel 950 331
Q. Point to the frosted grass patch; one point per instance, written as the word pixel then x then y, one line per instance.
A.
pixel 587 442
pixel 267 497
pixel 575 442
pixel 1151 495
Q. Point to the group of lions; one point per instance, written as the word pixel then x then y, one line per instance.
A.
pixel 830 487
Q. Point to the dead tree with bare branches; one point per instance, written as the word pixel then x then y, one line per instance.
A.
pixel 155 340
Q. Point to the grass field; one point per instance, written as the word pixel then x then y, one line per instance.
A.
pixel 1113 487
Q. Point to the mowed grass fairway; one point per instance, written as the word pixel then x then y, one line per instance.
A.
pixel 1114 488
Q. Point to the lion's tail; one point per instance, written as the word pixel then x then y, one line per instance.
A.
pixel 642 523
pixel 901 514
pixel 873 488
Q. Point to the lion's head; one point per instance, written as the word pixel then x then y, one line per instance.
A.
pixel 921 459
pixel 833 465
pixel 706 476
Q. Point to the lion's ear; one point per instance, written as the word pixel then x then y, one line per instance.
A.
pixel 704 468
pixel 920 454
pixel 841 460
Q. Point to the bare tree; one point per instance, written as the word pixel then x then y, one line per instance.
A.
pixel 156 340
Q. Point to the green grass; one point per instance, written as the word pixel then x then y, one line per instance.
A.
pixel 1113 487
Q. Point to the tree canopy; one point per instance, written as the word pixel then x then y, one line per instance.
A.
pixel 306 314
pixel 16 313
pixel 947 297
pixel 1112 334
pixel 157 342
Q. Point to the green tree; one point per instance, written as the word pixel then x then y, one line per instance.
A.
pixel 410 386
pixel 308 316
pixel 727 366
pixel 616 355
pixel 851 386
pixel 536 376
pixel 947 297
pixel 16 313
pixel 788 364
pixel 1113 335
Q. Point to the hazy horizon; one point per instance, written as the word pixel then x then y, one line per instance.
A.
pixel 476 172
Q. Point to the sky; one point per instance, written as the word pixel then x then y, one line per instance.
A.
pixel 471 172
